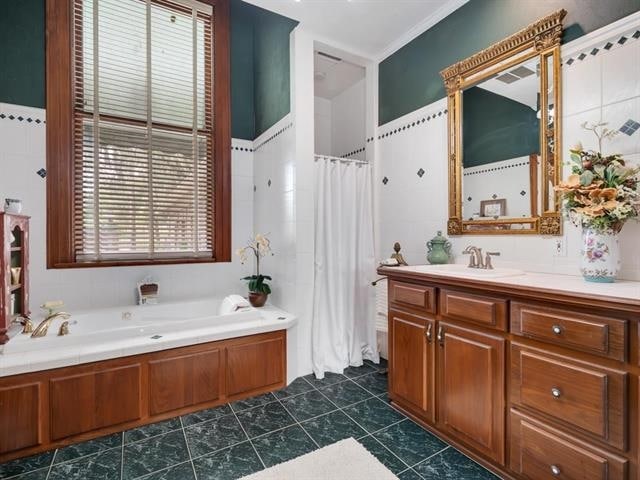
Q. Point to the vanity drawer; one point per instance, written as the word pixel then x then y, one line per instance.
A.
pixel 540 452
pixel 603 336
pixel 479 309
pixel 581 395
pixel 414 296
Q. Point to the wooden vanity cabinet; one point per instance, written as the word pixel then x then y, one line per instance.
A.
pixel 411 381
pixel 533 384
pixel 471 388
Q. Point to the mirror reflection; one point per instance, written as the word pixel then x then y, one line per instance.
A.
pixel 501 158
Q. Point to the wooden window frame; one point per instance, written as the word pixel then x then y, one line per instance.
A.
pixel 59 150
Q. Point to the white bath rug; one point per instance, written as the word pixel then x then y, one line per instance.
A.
pixel 345 460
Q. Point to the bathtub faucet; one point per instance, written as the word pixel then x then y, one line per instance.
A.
pixel 41 330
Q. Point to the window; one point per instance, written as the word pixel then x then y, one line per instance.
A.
pixel 138 144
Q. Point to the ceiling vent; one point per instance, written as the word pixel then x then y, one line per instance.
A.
pixel 328 57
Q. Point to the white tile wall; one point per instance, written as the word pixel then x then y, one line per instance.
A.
pixel 22 154
pixel 601 87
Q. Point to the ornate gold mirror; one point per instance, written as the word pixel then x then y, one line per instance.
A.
pixel 504 134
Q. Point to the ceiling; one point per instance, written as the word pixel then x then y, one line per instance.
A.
pixel 334 75
pixel 520 83
pixel 370 28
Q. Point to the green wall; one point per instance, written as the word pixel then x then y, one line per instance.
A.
pixel 271 64
pixel 22 52
pixel 496 128
pixel 259 62
pixel 410 78
pixel 242 86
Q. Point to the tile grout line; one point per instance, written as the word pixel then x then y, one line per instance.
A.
pixel 430 457
pixel 264 466
pixel 186 441
pixel 122 457
pixel 53 460
pixel 299 424
pixel 371 434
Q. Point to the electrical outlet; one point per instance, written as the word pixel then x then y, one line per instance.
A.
pixel 559 249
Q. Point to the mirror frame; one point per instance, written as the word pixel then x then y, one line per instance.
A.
pixel 542 40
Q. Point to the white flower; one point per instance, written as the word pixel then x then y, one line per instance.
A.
pixel 577 147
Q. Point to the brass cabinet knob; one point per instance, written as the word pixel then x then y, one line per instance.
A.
pixel 429 332
pixel 556 392
pixel 557 329
pixel 555 470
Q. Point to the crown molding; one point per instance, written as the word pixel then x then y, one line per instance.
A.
pixel 445 10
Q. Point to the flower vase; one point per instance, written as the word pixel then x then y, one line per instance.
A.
pixel 600 256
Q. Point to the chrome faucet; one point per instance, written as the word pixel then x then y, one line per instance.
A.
pixel 43 327
pixel 476 260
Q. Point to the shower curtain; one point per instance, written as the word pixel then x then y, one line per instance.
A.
pixel 343 324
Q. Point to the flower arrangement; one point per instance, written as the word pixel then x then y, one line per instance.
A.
pixel 259 246
pixel 602 191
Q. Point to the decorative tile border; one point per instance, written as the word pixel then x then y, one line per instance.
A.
pixel 415 123
pixel 350 154
pixel 602 48
pixel 495 169
pixel 20 118
pixel 272 137
pixel 241 149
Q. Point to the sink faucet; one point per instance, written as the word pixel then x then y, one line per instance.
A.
pixel 41 329
pixel 476 260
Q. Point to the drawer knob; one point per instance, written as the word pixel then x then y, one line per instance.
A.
pixel 557 329
pixel 556 392
pixel 555 470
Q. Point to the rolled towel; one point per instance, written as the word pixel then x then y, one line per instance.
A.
pixel 233 303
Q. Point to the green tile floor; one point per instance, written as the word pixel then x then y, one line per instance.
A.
pixel 243 437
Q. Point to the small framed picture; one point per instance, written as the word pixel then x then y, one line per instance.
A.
pixel 493 208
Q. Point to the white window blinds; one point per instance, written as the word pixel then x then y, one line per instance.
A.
pixel 143 122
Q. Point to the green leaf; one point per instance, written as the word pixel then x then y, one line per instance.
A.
pixel 266 289
pixel 599 169
pixel 586 178
pixel 575 158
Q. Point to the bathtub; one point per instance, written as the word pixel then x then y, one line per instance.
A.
pixel 119 332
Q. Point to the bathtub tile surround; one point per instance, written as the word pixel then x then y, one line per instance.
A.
pixel 235 440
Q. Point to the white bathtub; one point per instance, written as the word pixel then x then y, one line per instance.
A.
pixel 117 332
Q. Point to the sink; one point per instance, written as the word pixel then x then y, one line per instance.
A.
pixel 458 270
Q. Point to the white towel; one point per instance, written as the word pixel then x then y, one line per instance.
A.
pixel 233 303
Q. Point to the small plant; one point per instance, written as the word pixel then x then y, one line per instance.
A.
pixel 260 246
pixel 602 191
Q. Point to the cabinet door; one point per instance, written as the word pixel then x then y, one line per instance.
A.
pixel 179 381
pixel 256 366
pixel 411 360
pixel 20 417
pixel 93 400
pixel 471 394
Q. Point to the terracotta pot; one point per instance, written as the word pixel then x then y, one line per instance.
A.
pixel 257 299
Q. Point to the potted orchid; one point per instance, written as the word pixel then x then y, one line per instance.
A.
pixel 600 195
pixel 259 290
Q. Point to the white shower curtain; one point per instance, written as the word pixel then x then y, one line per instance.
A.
pixel 343 325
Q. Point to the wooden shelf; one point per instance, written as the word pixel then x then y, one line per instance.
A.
pixel 13 288
pixel 16 249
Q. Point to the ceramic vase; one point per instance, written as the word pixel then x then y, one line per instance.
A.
pixel 600 256
pixel 257 299
pixel 438 249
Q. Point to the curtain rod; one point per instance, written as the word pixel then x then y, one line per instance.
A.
pixel 339 159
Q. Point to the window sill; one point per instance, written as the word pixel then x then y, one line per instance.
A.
pixel 136 263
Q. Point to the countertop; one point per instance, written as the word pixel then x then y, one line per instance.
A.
pixel 621 292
